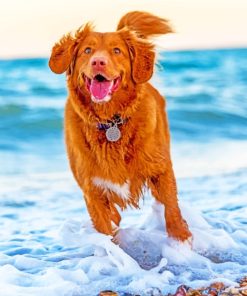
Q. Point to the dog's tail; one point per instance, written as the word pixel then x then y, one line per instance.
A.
pixel 144 24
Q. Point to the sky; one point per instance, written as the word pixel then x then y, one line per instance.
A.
pixel 29 28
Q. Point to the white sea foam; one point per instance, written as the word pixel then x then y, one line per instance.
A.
pixel 213 158
pixel 46 254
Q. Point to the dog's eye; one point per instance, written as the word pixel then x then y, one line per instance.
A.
pixel 116 50
pixel 88 50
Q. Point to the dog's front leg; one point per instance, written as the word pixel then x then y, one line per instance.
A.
pixel 103 213
pixel 164 189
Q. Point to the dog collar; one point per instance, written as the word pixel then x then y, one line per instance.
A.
pixel 111 127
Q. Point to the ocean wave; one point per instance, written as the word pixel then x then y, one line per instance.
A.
pixel 203 89
pixel 21 117
pixel 198 123
pixel 203 60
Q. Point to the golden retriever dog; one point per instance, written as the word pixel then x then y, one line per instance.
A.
pixel 116 127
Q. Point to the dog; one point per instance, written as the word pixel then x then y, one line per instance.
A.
pixel 116 127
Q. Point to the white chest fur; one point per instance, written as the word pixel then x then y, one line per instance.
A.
pixel 122 191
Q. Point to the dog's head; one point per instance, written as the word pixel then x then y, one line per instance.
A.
pixel 102 64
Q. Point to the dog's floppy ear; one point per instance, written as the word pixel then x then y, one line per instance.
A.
pixel 143 61
pixel 137 27
pixel 141 54
pixel 62 53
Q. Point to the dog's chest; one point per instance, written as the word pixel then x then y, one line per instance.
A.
pixel 122 190
pixel 118 160
pixel 115 158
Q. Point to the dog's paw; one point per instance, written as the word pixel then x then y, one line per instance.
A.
pixel 179 230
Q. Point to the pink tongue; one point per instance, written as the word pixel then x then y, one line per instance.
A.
pixel 100 89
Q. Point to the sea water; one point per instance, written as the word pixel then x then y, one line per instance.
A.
pixel 47 243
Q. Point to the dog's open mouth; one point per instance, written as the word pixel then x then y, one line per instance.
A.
pixel 101 88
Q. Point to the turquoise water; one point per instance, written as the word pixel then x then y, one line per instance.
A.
pixel 205 90
pixel 42 211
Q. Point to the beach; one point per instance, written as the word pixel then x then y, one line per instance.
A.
pixel 48 245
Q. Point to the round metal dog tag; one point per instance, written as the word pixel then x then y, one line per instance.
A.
pixel 113 134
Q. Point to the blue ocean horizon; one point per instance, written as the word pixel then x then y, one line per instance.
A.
pixel 206 95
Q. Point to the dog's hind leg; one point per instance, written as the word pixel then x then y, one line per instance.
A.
pixel 164 189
